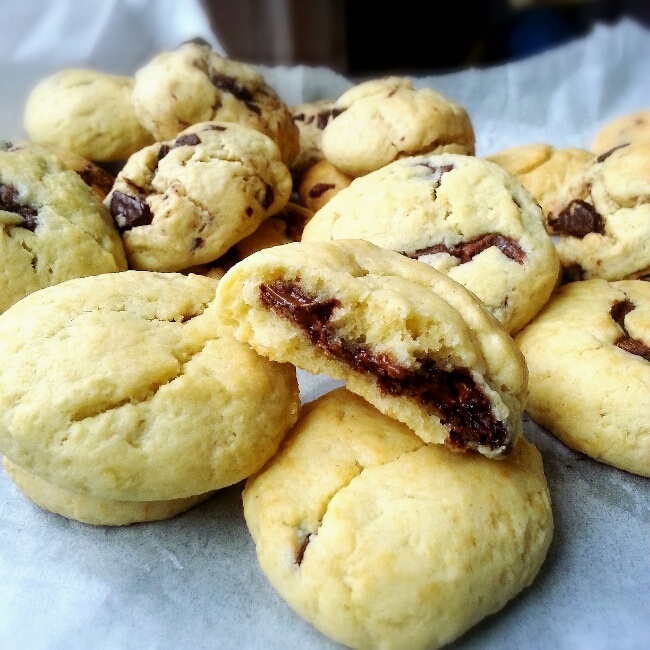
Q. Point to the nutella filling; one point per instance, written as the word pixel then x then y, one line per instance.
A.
pixel 466 251
pixel 452 395
pixel 8 203
pixel 578 219
pixel 618 312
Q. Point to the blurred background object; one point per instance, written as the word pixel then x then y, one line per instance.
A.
pixel 362 38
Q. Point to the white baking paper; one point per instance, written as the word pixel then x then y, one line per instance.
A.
pixel 193 581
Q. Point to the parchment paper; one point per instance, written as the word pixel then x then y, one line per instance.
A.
pixel 193 581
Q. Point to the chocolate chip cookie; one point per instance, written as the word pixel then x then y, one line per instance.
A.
pixel 462 215
pixel 192 84
pixel 409 339
pixel 187 201
pixel 321 182
pixel 588 354
pixel 382 541
pixel 628 128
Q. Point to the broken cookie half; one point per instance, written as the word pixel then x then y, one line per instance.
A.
pixel 410 340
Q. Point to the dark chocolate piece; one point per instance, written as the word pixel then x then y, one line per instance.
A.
pixel 319 189
pixel 578 219
pixel 619 310
pixel 607 154
pixel 129 211
pixel 188 140
pixel 451 395
pixel 467 250
pixel 9 204
pixel 231 85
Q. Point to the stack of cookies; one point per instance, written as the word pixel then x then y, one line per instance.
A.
pixel 178 243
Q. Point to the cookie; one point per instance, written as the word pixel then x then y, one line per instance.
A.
pixel 192 84
pixel 124 386
pixel 98 179
pixel 89 510
pixel 187 201
pixel 286 226
pixel 602 217
pixel 628 128
pixel 54 227
pixel 321 182
pixel 381 124
pixel 409 339
pixel 462 215
pixel 311 118
pixel 588 354
pixel 542 168
pixel 382 541
pixel 87 112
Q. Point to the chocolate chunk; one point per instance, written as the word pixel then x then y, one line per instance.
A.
pixel 299 117
pixel 578 219
pixel 324 117
pixel 319 189
pixel 620 309
pixel 129 211
pixel 213 127
pixel 467 250
pixel 300 553
pixel 607 154
pixel 188 140
pixel 451 395
pixel 197 242
pixel 163 151
pixel 8 203
pixel 634 346
pixel 254 108
pixel 437 170
pixel 231 85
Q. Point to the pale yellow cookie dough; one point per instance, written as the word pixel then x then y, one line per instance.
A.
pixel 124 386
pixel 88 112
pixel 588 355
pixel 382 541
pixel 628 128
pixel 407 338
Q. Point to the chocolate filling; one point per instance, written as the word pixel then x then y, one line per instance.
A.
pixel 466 251
pixel 8 203
pixel 578 219
pixel 451 395
pixel 619 310
pixel 319 189
pixel 129 211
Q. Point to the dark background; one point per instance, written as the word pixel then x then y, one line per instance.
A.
pixel 356 37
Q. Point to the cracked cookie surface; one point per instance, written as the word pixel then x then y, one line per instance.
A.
pixel 588 355
pixel 192 84
pixel 53 227
pixel 382 120
pixel 88 112
pixel 123 386
pixel 461 215
pixel 602 217
pixel 187 201
pixel 407 338
pixel 380 540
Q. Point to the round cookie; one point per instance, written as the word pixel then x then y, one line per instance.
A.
pixel 87 112
pixel 588 355
pixel 123 386
pixel 90 510
pixel 628 128
pixel 311 118
pixel 286 226
pixel 407 338
pixel 321 182
pixel 381 123
pixel 382 541
pixel 187 201
pixel 193 84
pixel 98 179
pixel 53 226
pixel 541 168
pixel 462 215
pixel 602 217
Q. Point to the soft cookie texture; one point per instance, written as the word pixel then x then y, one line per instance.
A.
pixel 88 112
pixel 588 354
pixel 123 386
pixel 193 84
pixel 187 201
pixel 379 121
pixel 462 215
pixel 602 217
pixel 91 510
pixel 53 227
pixel 407 338
pixel 382 541
pixel 542 168
pixel 628 128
